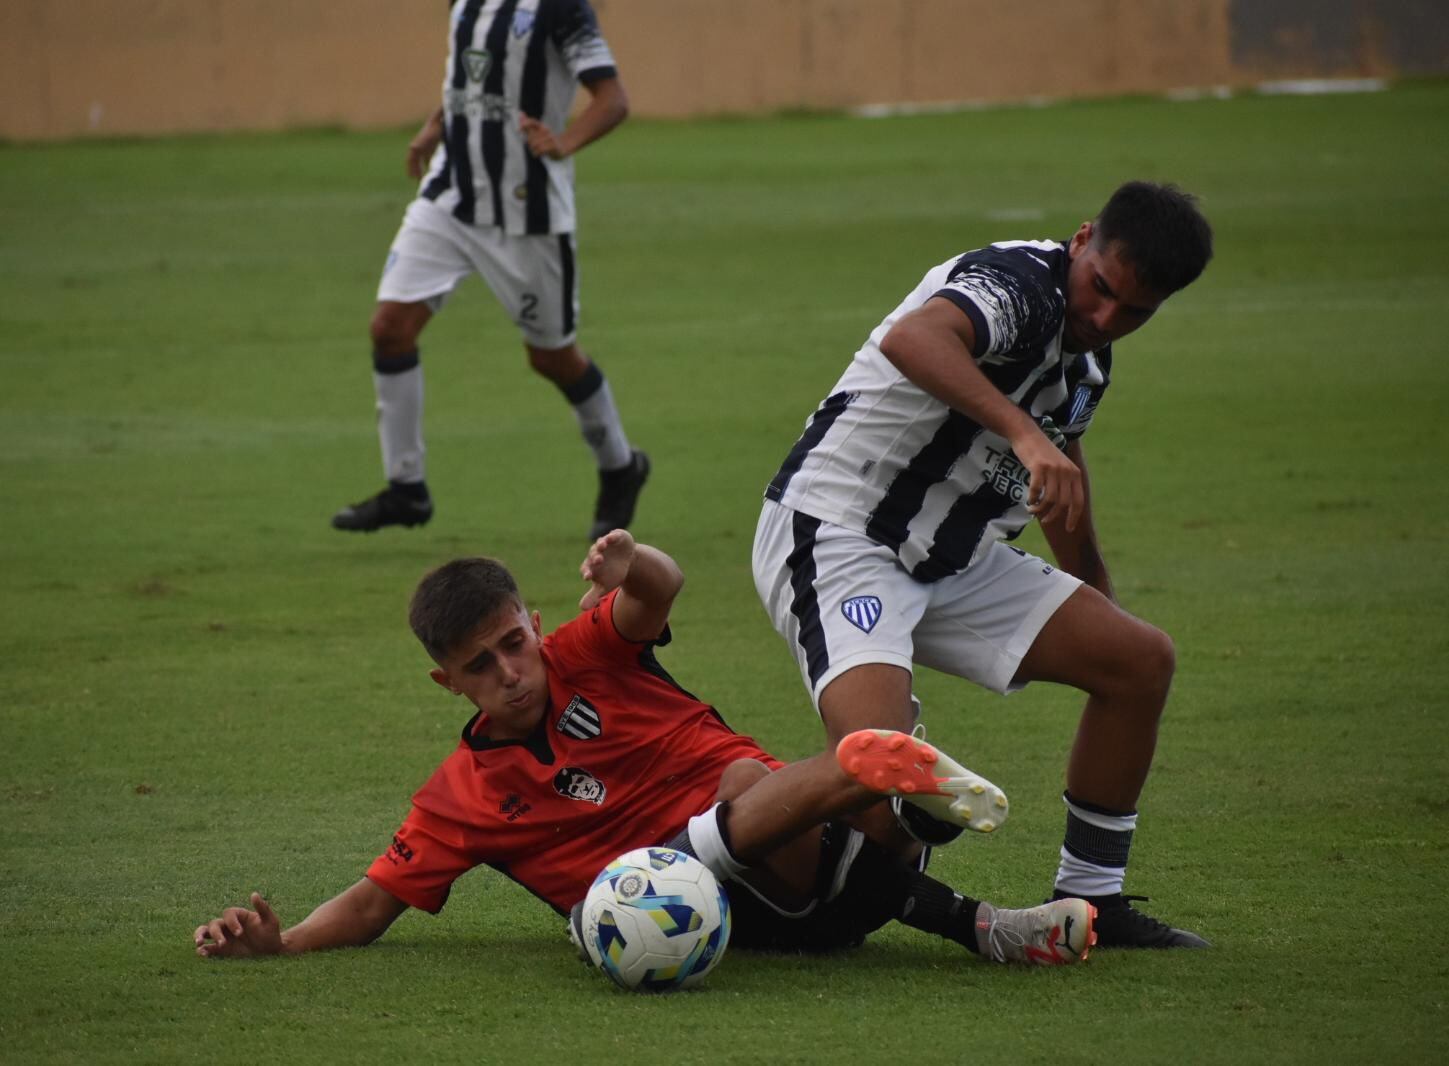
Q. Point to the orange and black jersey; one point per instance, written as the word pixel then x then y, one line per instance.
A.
pixel 623 757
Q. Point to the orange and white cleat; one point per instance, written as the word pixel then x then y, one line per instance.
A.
pixel 897 764
pixel 1055 934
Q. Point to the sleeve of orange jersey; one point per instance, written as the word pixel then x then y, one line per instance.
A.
pixel 592 639
pixel 426 856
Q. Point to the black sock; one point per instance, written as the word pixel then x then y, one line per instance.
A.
pixel 413 490
pixel 933 907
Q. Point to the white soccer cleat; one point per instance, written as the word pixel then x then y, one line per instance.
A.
pixel 1055 934
pixel 895 764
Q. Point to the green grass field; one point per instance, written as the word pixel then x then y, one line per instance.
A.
pixel 205 690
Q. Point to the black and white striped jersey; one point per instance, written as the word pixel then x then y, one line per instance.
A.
pixel 507 57
pixel 883 457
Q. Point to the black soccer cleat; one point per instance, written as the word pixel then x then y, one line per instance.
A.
pixel 923 828
pixel 1121 925
pixel 393 506
pixel 618 495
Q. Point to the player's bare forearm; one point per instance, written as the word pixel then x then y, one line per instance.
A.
pixel 648 581
pixel 1079 555
pixel 421 147
pixel 1077 551
pixel 929 350
pixel 932 347
pixel 356 916
pixel 607 107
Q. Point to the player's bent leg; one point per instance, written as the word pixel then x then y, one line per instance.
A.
pixel 878 696
pixel 868 696
pixel 1125 666
pixel 879 886
pixel 788 802
pixel 398 383
pixel 896 764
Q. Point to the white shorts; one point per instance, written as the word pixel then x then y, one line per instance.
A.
pixel 534 277
pixel 841 600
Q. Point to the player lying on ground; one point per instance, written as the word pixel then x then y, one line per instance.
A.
pixel 583 747
pixel 882 539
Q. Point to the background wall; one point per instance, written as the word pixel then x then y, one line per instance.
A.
pixel 111 67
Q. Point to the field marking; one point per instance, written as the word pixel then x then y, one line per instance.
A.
pixel 1180 95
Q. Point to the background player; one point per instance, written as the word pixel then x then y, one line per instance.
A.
pixel 497 200
pixel 881 541
pixel 583 747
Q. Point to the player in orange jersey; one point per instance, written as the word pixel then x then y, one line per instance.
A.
pixel 583 747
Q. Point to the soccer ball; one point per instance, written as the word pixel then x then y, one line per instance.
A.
pixel 653 920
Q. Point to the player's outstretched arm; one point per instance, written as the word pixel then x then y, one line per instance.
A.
pixel 354 917
pixel 932 347
pixel 647 580
pixel 607 107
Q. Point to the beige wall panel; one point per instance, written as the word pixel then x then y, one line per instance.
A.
pixel 684 57
pixel 24 83
pixel 109 67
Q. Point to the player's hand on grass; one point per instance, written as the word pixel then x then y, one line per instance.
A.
pixel 606 566
pixel 240 932
pixel 541 140
pixel 1055 490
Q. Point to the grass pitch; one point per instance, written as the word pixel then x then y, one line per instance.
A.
pixel 205 690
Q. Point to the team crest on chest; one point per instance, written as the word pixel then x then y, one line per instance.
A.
pixel 477 61
pixel 863 612
pixel 580 720
pixel 573 782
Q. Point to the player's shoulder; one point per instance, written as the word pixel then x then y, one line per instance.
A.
pixel 587 639
pixel 1017 257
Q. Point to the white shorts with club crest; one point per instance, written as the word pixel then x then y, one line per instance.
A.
pixel 841 600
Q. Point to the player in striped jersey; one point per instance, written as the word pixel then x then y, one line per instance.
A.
pixel 883 540
pixel 496 198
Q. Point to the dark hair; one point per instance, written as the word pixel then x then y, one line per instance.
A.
pixel 450 601
pixel 1162 233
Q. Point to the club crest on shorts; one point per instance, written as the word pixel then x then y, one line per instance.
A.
pixel 863 612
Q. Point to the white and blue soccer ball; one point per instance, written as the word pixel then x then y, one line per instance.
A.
pixel 654 920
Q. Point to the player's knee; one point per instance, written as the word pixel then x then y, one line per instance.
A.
pixel 562 366
pixel 394 332
pixel 739 776
pixel 1154 661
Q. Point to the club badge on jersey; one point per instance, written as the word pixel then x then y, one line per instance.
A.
pixel 577 783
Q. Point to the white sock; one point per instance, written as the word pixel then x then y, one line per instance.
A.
pixel 1094 854
pixel 1077 877
pixel 599 422
pixel 709 845
pixel 400 423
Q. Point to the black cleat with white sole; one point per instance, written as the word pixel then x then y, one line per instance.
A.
pixel 1121 925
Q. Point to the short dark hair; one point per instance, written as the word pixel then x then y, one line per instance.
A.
pixel 450 601
pixel 1162 233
